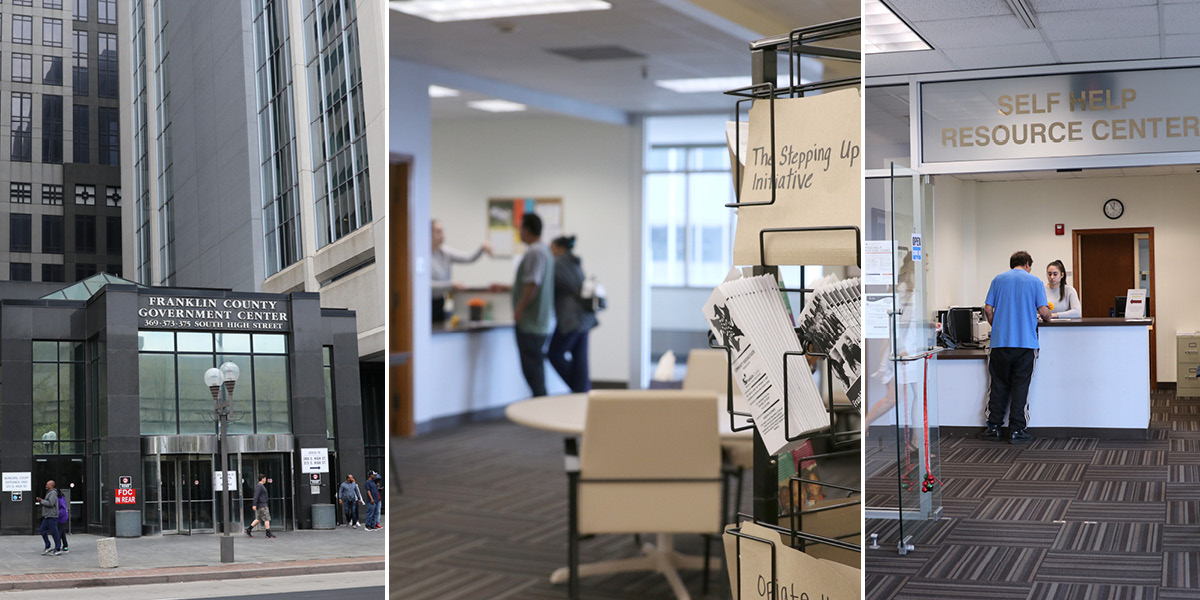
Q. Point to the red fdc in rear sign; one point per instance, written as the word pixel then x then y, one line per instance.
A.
pixel 126 496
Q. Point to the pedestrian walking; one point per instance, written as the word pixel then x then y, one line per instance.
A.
pixel 373 500
pixel 261 513
pixel 350 497
pixel 64 515
pixel 49 528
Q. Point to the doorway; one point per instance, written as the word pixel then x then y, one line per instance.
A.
pixel 187 494
pixel 67 473
pixel 400 342
pixel 277 468
pixel 1109 263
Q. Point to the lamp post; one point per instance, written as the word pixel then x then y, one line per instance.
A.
pixel 213 378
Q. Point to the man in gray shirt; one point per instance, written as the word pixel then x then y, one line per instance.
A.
pixel 533 303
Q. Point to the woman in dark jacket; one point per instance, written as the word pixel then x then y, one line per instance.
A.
pixel 574 318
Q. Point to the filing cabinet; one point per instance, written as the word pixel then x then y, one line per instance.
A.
pixel 1187 352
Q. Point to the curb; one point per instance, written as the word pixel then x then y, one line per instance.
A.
pixel 185 574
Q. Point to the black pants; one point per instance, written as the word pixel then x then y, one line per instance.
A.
pixel 1011 370
pixel 533 360
pixel 574 371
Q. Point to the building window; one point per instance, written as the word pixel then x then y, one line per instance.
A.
pixel 85 234
pixel 330 429
pixel 20 233
pixel 84 270
pixel 22 68
pixel 52 234
pixel 22 2
pixel 166 357
pixel 22 29
pixel 52 70
pixel 52 4
pixel 79 63
pixel 341 181
pixel 107 65
pixel 85 195
pixel 20 271
pixel 22 127
pixel 80 141
pixel 52 130
pixel 80 12
pixel 52 194
pixel 106 12
pixel 53 273
pixel 52 32
pixel 20 193
pixel 112 196
pixel 112 236
pixel 110 135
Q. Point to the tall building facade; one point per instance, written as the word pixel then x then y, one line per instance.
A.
pixel 60 170
pixel 250 130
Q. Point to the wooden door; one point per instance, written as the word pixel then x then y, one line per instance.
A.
pixel 400 342
pixel 1105 269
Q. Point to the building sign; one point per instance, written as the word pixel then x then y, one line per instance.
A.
pixel 221 314
pixel 1081 114
pixel 125 481
pixel 16 481
pixel 231 478
pixel 314 460
pixel 126 496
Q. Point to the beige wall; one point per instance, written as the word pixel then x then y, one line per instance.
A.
pixel 1020 215
pixel 584 163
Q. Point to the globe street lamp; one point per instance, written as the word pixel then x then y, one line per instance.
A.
pixel 213 378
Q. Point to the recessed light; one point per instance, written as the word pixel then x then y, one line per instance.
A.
pixel 715 84
pixel 441 11
pixel 437 91
pixel 496 105
pixel 883 31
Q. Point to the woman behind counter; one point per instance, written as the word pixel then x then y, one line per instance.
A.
pixel 1062 297
pixel 440 261
pixel 574 319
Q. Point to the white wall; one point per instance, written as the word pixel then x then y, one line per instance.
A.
pixel 586 164
pixel 1020 215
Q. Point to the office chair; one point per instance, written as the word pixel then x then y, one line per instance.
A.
pixel 650 462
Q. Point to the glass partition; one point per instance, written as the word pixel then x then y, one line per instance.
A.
pixel 903 475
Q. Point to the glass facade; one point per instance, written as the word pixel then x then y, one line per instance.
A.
pixel 174 399
pixel 141 158
pixel 166 181
pixel 277 139
pixel 341 184
pixel 58 397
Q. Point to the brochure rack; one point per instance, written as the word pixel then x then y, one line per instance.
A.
pixel 765 55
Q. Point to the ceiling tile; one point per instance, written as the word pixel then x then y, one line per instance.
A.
pixel 1108 49
pixel 890 63
pixel 940 10
pixel 1001 56
pixel 1048 6
pixel 982 31
pixel 1099 24
pixel 1181 18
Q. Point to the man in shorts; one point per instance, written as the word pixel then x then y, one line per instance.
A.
pixel 261 512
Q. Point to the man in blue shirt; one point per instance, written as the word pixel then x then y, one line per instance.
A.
pixel 1015 300
pixel 373 503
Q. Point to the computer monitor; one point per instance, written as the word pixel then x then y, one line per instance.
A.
pixel 958 324
pixel 1119 307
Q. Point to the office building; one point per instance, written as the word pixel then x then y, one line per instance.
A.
pixel 60 178
pixel 247 150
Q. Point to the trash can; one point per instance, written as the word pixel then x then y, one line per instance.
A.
pixel 324 516
pixel 129 523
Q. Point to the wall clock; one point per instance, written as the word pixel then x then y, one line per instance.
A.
pixel 1113 209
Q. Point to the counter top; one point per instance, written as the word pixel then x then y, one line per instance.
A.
pixel 471 326
pixel 1097 322
pixel 962 354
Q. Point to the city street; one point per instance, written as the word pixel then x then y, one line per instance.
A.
pixel 363 586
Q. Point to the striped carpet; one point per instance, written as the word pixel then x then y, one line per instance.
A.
pixel 482 515
pixel 1077 518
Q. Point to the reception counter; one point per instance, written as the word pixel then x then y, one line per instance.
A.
pixel 1092 377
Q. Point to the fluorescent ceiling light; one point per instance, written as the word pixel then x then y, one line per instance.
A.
pixel 883 31
pixel 716 84
pixel 437 91
pixel 441 11
pixel 496 106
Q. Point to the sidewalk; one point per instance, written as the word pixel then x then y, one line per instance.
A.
pixel 175 558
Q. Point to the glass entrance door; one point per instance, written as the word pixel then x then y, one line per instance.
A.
pixel 187 494
pixel 277 468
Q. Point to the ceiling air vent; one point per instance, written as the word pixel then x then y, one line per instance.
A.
pixel 590 53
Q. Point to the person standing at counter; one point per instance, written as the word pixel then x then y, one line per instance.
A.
pixel 533 303
pixel 1063 298
pixel 440 261
pixel 574 320
pixel 1014 302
